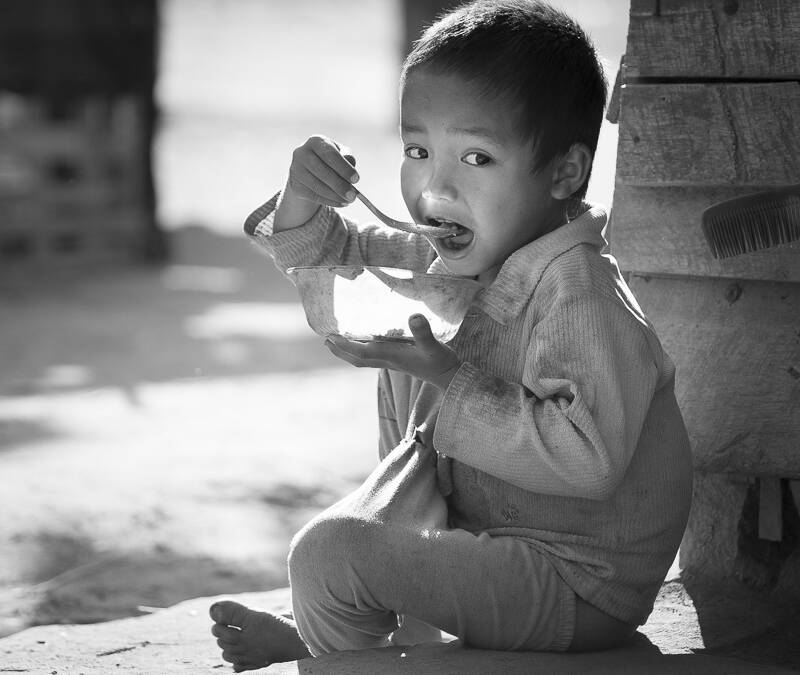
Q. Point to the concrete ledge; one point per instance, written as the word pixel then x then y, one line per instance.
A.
pixel 177 640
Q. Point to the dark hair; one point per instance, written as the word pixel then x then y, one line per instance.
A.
pixel 531 57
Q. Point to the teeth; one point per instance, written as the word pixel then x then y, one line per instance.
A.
pixel 461 236
pixel 441 222
pixel 450 224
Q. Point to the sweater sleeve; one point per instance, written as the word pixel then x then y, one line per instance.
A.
pixel 330 239
pixel 571 427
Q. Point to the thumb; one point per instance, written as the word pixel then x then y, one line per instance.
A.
pixel 421 329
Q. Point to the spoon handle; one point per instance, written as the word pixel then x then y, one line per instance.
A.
pixel 413 228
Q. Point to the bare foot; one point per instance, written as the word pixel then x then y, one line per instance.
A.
pixel 251 639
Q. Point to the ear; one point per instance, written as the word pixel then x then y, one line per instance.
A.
pixel 570 171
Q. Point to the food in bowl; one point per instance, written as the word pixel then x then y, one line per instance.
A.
pixel 374 303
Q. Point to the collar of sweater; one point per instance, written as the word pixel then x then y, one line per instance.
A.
pixel 517 279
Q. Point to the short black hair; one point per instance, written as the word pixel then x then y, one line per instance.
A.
pixel 530 56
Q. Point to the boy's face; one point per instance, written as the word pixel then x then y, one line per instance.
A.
pixel 465 164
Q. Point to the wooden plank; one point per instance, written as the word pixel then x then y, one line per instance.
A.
pixel 709 134
pixel 612 111
pixel 657 230
pixel 71 240
pixel 770 509
pixel 753 39
pixel 644 7
pixel 736 349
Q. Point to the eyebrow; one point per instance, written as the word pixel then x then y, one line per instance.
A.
pixel 479 132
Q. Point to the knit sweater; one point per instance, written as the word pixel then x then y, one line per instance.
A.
pixel 561 427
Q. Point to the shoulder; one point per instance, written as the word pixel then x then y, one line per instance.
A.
pixel 583 281
pixel 581 271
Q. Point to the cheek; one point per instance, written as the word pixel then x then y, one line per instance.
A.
pixel 408 184
pixel 494 199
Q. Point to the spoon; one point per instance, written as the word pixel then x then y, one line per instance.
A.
pixel 414 228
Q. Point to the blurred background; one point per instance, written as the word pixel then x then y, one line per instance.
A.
pixel 167 418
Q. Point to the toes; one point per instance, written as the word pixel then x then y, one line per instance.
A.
pixel 230 613
pixel 233 650
pixel 235 657
pixel 231 635
pixel 240 664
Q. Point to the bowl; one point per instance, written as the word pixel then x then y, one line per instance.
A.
pixel 374 303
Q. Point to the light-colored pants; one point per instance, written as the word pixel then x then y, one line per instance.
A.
pixel 384 551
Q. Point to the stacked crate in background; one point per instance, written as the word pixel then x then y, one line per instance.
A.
pixel 71 181
pixel 76 128
pixel 709 109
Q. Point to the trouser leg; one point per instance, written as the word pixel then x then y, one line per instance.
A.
pixel 384 550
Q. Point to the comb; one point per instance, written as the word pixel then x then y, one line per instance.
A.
pixel 753 222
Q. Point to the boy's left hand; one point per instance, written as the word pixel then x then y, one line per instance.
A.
pixel 425 358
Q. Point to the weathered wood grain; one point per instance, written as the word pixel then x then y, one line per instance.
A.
pixel 709 134
pixel 770 509
pixel 709 547
pixel 714 39
pixel 736 348
pixel 657 230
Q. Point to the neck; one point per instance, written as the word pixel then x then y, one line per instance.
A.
pixel 486 278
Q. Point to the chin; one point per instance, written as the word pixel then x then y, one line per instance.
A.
pixel 460 268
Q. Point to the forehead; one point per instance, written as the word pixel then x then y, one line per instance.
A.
pixel 446 102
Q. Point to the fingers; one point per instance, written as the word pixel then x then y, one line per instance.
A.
pixel 349 350
pixel 376 354
pixel 321 172
pixel 373 354
pixel 308 186
pixel 346 153
pixel 421 330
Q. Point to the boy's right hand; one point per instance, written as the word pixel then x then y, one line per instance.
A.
pixel 322 172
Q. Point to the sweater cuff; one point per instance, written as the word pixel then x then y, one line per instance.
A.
pixel 450 436
pixel 261 221
pixel 289 248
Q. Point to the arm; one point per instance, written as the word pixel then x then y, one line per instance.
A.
pixel 571 427
pixel 299 226
pixel 330 239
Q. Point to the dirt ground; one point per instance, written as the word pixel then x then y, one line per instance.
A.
pixel 164 432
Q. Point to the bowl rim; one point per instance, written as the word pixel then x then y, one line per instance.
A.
pixel 433 275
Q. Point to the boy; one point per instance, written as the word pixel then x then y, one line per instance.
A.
pixel 535 472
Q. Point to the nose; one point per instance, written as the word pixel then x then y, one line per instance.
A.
pixel 439 187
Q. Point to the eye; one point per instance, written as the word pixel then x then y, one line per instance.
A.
pixel 476 159
pixel 415 152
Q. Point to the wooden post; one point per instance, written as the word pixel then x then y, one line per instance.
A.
pixel 708 111
pixel 770 509
pixel 83 73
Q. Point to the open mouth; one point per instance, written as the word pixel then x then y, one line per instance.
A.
pixel 462 236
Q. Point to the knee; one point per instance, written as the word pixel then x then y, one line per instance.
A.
pixel 326 545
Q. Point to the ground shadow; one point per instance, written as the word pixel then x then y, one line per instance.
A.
pixel 744 622
pixel 19 431
pixel 72 582
pixel 219 308
pixel 63 577
pixel 752 614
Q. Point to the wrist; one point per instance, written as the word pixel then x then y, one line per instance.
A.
pixel 444 379
pixel 292 211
